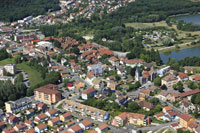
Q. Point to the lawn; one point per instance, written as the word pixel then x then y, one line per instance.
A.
pixel 6 61
pixel 34 75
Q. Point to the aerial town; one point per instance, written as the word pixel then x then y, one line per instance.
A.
pixel 66 85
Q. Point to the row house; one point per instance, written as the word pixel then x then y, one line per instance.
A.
pixel 96 114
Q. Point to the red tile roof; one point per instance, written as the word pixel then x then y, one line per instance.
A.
pixel 76 128
pixel 185 117
pixel 42 126
pixel 103 126
pixel 189 93
pixel 88 91
pixel 48 89
pixel 86 123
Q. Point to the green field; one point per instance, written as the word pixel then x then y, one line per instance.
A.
pixel 34 75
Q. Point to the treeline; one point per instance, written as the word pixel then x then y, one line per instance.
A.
pixel 8 91
pixel 12 10
pixel 187 61
pixel 154 10
pixel 4 54
pixel 181 25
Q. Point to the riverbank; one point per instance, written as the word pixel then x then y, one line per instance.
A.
pixel 181 46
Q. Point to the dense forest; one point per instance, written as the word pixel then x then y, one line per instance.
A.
pixel 12 10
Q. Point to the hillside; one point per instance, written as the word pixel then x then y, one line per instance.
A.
pixel 12 10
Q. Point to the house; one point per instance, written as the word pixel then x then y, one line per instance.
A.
pixel 159 116
pixel 66 116
pixel 20 127
pixel 86 124
pixel 76 129
pixel 40 118
pixel 2 125
pixel 79 85
pixel 63 60
pixel 9 130
pixel 32 130
pixel 42 106
pixel 52 113
pixel 13 120
pixel 167 108
pixel 102 128
pixel 170 115
pixel 174 126
pixel 162 95
pixel 41 128
pixel 186 106
pixel 169 80
pixel 54 121
pixel 191 69
pixel 185 120
pixel 112 85
pixel 134 62
pixel 182 76
pixel 70 124
pixel 47 94
pixel 96 68
pixel 172 97
pixel 121 100
pixel 88 93
pixel 146 105
pixel 114 61
pixel 18 105
pixel 29 124
pixel 130 118
pixel 90 77
pixel 143 94
pixel 94 113
pixel 30 113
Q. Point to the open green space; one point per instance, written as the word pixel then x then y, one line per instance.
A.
pixel 33 75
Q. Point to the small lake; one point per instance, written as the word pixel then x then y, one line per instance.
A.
pixel 189 18
pixel 189 52
pixel 180 54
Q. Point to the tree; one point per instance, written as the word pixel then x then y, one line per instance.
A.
pixel 133 107
pixel 57 44
pixel 20 77
pixel 167 42
pixel 157 81
pixel 154 101
pixel 12 97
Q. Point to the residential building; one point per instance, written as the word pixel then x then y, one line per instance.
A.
pixel 52 113
pixel 29 124
pixel 18 105
pixel 130 118
pixel 41 128
pixel 143 94
pixel 96 68
pixel 76 129
pixel 47 94
pixel 2 125
pixel 40 118
pixel 188 94
pixel 54 121
pixel 88 93
pixel 169 81
pixel 20 127
pixel 66 116
pixel 146 105
pixel 94 113
pixel 186 106
pixel 102 128
pixel 162 95
pixel 167 108
pixel 185 120
pixel 86 124
pixel 42 106
pixel 13 120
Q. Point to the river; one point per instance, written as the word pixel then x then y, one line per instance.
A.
pixel 189 52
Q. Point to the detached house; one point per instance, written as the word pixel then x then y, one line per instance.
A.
pixel 185 120
pixel 52 113
pixel 86 124
pixel 40 118
pixel 20 127
pixel 41 128
pixel 13 119
pixel 54 121
pixel 88 93
pixel 76 129
pixel 66 116
pixel 102 128
pixel 146 105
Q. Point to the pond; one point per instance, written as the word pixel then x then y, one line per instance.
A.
pixel 180 54
pixel 189 18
